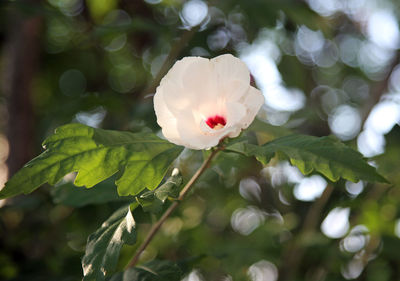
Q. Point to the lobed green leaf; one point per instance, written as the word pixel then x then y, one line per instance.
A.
pixel 325 155
pixel 141 159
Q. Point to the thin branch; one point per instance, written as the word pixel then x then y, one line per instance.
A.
pixel 176 49
pixel 295 252
pixel 313 215
pixel 184 191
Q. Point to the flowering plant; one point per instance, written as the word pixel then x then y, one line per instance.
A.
pixel 198 103
pixel 201 101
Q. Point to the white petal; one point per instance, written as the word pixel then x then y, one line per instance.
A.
pixel 234 132
pixel 165 119
pixel 177 72
pixel 233 76
pixel 212 108
pixel 230 67
pixel 194 138
pixel 253 100
pixel 175 92
pixel 176 97
pixel 200 81
pixel 235 113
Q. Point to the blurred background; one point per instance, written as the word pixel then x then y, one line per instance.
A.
pixel 324 66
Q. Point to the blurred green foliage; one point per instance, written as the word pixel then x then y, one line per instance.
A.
pixel 98 64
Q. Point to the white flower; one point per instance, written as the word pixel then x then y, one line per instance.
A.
pixel 200 101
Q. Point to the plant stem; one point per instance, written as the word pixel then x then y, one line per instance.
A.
pixel 174 205
pixel 176 49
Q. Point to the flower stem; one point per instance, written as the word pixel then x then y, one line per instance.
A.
pixel 156 227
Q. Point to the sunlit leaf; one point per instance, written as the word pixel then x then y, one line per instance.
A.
pixel 152 201
pixel 325 155
pixel 96 154
pixel 103 246
pixel 149 202
pixel 170 188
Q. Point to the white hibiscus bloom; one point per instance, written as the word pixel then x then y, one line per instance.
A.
pixel 200 101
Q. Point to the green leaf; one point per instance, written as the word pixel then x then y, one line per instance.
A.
pixel 152 201
pixel 149 202
pixel 170 188
pixel 325 155
pixel 151 271
pixel 96 154
pixel 103 246
pixel 70 195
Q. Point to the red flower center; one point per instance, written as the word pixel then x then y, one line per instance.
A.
pixel 216 122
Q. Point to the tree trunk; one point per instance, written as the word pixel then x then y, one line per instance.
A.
pixel 21 56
